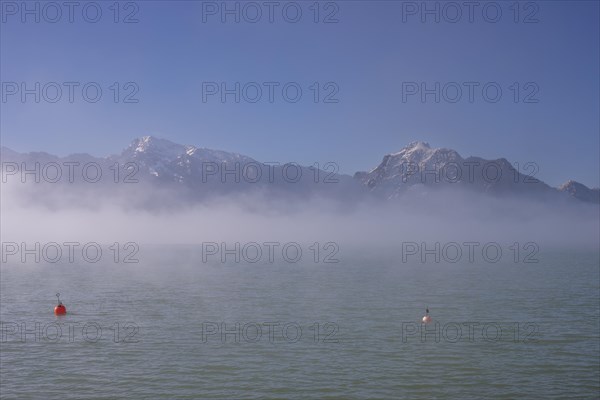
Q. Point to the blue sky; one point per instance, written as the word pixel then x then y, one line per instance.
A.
pixel 376 49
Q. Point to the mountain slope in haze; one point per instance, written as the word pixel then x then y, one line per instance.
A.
pixel 207 172
pixel 193 173
pixel 199 173
pixel 581 192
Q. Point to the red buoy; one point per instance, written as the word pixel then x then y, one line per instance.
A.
pixel 60 309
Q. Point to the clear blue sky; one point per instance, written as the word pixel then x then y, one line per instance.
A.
pixel 369 53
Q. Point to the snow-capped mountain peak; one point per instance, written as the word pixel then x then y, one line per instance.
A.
pixel 420 164
pixel 168 160
pixel 418 145
pixel 416 167
pixel 417 153
pixel 413 148
pixel 154 145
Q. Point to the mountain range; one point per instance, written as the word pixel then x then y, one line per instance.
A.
pixel 200 173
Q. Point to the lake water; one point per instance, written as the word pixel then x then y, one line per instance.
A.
pixel 329 331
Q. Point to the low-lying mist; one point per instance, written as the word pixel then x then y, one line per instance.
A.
pixel 57 215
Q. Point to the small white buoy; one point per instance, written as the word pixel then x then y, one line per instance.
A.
pixel 426 319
